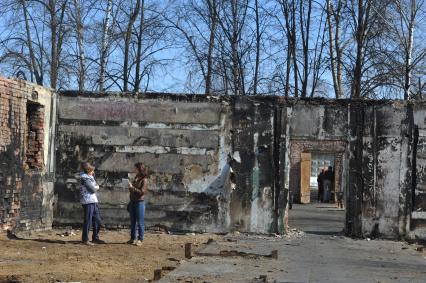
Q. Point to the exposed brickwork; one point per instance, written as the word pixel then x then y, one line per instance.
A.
pixel 323 146
pixel 35 136
pixel 12 114
pixel 21 143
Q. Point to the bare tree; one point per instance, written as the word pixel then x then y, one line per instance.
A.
pixel 232 20
pixel 334 11
pixel 127 40
pixel 239 47
pixel 258 42
pixel 41 57
pixel 106 31
pixel 212 5
pixel 197 22
pixel 404 20
pixel 33 66
pixel 80 44
pixel 138 59
pixel 57 25
pixel 365 74
pixel 305 16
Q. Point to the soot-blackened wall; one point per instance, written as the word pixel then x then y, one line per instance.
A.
pixel 224 163
pixel 185 142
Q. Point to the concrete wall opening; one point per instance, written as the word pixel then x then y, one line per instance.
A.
pixel 320 203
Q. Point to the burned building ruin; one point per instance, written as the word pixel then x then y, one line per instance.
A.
pixel 218 163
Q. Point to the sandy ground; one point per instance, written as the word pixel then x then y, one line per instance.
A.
pixel 50 256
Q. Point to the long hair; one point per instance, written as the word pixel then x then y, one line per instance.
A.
pixel 142 170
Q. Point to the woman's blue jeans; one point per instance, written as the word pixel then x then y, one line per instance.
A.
pixel 137 214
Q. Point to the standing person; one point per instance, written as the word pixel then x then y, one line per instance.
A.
pixel 89 201
pixel 320 181
pixel 328 184
pixel 137 189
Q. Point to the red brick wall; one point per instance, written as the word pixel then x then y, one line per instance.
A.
pixel 15 136
pixel 34 132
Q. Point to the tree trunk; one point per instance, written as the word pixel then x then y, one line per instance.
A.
pixel 258 38
pixel 53 45
pixel 409 52
pixel 335 46
pixel 127 40
pixel 138 77
pixel 339 51
pixel 212 37
pixel 331 47
pixel 33 67
pixel 57 31
pixel 104 45
pixel 293 49
pixel 288 69
pixel 305 32
pixel 363 19
pixel 234 48
pixel 80 42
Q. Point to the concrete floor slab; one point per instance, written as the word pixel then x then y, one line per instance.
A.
pixel 323 254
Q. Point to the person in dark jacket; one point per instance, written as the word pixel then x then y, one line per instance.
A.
pixel 137 189
pixel 89 201
pixel 320 181
pixel 328 183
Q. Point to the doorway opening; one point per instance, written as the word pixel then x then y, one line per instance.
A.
pixel 317 183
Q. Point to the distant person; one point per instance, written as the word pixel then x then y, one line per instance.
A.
pixel 137 189
pixel 320 181
pixel 89 201
pixel 328 183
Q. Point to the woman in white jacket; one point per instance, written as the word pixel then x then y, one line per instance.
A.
pixel 89 201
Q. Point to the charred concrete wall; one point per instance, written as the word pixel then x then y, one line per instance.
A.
pixel 379 165
pixel 252 205
pixel 27 122
pixel 217 163
pixel 379 179
pixel 260 161
pixel 184 140
pixel 229 163
pixel 417 195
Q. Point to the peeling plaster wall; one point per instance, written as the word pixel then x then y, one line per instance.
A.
pixel 228 163
pixel 191 144
pixel 382 162
pixel 379 169
pixel 26 194
pixel 252 202
pixel 417 213
pixel 217 163
pixel 185 143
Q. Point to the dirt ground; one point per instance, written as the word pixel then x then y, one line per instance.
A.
pixel 59 256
